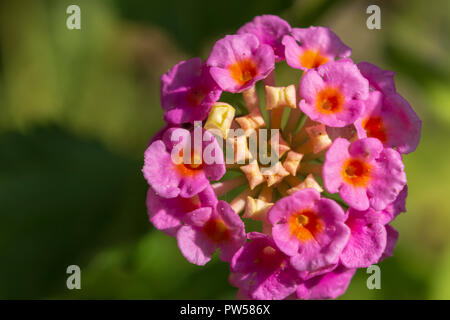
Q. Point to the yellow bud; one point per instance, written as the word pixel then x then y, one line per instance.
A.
pixel 220 118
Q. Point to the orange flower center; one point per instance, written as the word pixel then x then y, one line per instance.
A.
pixel 216 230
pixel 312 59
pixel 243 71
pixel 329 101
pixel 192 168
pixel 375 128
pixel 305 225
pixel 356 172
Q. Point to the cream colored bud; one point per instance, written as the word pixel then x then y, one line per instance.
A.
pixel 241 151
pixel 277 97
pixel 274 174
pixel 256 209
pixel 319 137
pixel 292 162
pixel 252 121
pixel 309 182
pixel 278 144
pixel 253 174
pixel 220 118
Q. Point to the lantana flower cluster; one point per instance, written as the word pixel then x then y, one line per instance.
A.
pixel 336 139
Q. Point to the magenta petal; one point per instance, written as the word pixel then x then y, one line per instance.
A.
pixel 284 240
pixel 157 160
pixel 224 79
pixel 345 75
pixel 262 275
pixel 194 246
pixel 395 208
pixel 328 286
pixel 315 256
pixel 310 84
pixel 368 149
pixel 163 213
pixel 198 217
pixel 405 124
pixel 322 39
pixel 388 179
pixel 216 169
pixel 382 80
pixel 293 52
pixel 392 238
pixel 236 228
pixel 270 30
pixel 355 196
pixel 367 241
pixel 291 204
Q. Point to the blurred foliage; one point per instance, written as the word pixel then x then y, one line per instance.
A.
pixel 77 109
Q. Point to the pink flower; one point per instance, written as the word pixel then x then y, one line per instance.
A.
pixel 269 30
pixel 390 119
pixel 379 79
pixel 372 239
pixel 238 61
pixel 261 271
pixel 207 229
pixel 327 286
pixel 309 229
pixel 188 92
pixel 334 93
pixel 367 240
pixel 167 214
pixel 170 179
pixel 364 173
pixel 318 45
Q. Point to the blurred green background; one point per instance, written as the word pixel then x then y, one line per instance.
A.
pixel 77 108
